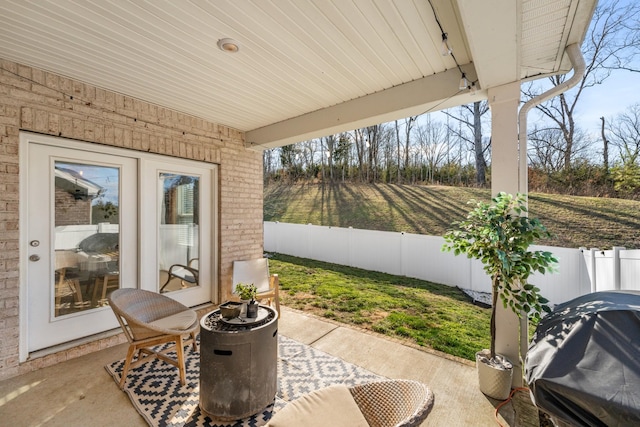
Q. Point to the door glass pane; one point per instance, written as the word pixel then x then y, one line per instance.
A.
pixel 178 235
pixel 87 235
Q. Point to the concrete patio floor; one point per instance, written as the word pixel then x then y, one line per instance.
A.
pixel 80 392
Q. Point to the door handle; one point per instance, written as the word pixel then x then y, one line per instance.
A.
pixel 34 258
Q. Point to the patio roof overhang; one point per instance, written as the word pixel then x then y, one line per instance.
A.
pixel 305 68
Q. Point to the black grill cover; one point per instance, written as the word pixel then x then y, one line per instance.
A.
pixel 583 364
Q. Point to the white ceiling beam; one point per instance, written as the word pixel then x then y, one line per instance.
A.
pixel 492 31
pixel 431 93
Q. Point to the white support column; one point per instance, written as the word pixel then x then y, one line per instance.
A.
pixel 505 176
pixel 505 167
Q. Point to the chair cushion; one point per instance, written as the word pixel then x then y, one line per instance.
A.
pixel 331 406
pixel 178 321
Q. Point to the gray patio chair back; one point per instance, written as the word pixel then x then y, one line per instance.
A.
pixel 256 271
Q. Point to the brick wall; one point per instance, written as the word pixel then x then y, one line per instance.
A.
pixel 38 101
pixel 69 210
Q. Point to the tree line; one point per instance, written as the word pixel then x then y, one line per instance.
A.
pixel 453 147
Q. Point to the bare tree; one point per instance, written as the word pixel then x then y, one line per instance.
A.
pixel 625 131
pixel 409 122
pixel 386 144
pixel 398 147
pixel 432 141
pixel 307 153
pixel 268 166
pixel 340 153
pixel 367 145
pixel 403 150
pixel 471 117
pixel 612 43
pixel 547 148
pixel 605 147
pixel 330 142
pixel 360 145
pixel 289 159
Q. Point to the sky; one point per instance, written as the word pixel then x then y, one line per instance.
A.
pixel 609 99
pixel 613 97
pixel 618 92
pixel 104 176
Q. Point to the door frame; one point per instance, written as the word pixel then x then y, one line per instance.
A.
pixel 27 138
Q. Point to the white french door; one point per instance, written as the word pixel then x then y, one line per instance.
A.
pixel 72 253
pixel 94 219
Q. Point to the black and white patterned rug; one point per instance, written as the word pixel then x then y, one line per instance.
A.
pixel 156 393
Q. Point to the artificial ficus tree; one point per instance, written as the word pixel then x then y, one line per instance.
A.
pixel 499 235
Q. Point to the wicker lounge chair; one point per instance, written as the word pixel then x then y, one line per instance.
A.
pixel 391 403
pixel 149 319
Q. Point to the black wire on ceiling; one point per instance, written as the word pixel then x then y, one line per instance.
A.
pixel 447 50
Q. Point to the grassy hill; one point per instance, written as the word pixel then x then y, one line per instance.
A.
pixel 574 221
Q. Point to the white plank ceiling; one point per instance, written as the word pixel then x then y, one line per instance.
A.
pixel 305 68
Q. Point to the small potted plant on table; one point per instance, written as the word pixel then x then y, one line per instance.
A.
pixel 247 293
pixel 499 236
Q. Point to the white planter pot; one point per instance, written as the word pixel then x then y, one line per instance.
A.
pixel 494 381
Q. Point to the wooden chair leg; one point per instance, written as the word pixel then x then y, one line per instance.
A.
pixel 194 343
pixel 79 300
pixel 277 300
pixel 125 369
pixel 96 286
pixel 58 301
pixel 275 285
pixel 181 366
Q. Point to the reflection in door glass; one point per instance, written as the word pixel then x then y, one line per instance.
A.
pixel 87 236
pixel 178 234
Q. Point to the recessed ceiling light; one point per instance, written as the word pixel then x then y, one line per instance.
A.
pixel 228 45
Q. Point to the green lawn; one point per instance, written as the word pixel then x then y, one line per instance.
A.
pixel 427 314
pixel 421 209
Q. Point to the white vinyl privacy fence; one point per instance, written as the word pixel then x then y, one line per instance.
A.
pixel 616 269
pixel 580 271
